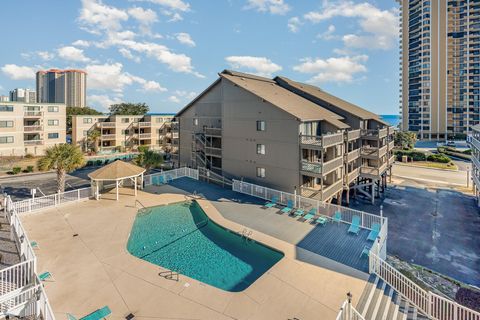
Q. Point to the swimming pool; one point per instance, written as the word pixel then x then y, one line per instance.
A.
pixel 180 237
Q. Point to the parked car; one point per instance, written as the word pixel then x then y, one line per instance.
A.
pixel 451 143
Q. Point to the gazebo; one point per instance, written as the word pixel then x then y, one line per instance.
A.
pixel 117 171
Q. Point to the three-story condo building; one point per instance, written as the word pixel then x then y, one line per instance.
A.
pixel 30 128
pixel 123 131
pixel 285 135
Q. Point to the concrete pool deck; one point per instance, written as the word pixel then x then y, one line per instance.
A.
pixel 94 269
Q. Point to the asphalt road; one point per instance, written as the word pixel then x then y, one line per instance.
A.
pixel 431 176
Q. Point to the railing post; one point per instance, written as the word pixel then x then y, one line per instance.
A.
pixel 349 306
pixel 29 205
pixel 78 192
pixel 429 307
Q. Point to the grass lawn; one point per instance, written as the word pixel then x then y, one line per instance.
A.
pixel 437 165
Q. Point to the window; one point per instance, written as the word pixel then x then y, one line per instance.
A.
pixel 6 124
pixel 87 120
pixel 260 125
pixel 125 120
pixel 6 108
pixel 52 109
pixel 53 122
pixel 261 172
pixel 8 139
pixel 195 121
pixel 260 149
pixel 53 135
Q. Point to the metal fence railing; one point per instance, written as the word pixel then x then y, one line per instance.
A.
pixel 165 176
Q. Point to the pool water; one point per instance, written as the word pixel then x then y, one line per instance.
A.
pixel 180 237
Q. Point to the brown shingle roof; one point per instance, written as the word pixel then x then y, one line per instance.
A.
pixel 282 98
pixel 116 170
pixel 331 99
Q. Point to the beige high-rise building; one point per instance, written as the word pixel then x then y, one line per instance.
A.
pixel 30 128
pixel 439 67
pixel 62 86
pixel 23 95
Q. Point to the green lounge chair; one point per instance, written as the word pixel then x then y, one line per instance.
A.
pixel 321 220
pixel 299 212
pixel 374 232
pixel 365 251
pixel 34 245
pixel 288 208
pixel 45 276
pixel 355 226
pixel 96 315
pixel 337 217
pixel 310 215
pixel 272 203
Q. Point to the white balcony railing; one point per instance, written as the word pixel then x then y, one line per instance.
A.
pixel 144 124
pixel 109 136
pixel 34 114
pixel 107 124
pixel 33 142
pixel 32 128
pixel 145 136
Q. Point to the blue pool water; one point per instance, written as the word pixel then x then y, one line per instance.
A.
pixel 180 237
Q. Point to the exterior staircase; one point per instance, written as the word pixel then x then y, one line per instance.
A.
pixel 379 301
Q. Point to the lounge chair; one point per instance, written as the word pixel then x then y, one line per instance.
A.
pixel 309 216
pixel 288 208
pixel 95 315
pixel 374 232
pixel 45 276
pixel 322 220
pixel 34 245
pixel 161 180
pixel 337 217
pixel 272 203
pixel 365 251
pixel 299 212
pixel 355 226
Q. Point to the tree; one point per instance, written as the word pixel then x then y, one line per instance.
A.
pixel 73 111
pixel 405 140
pixel 127 108
pixel 148 158
pixel 92 138
pixel 63 158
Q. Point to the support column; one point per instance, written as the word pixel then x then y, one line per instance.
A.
pixel 141 182
pixel 347 195
pixel 372 189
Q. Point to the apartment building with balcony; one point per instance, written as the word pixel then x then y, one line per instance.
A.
pixel 117 132
pixel 282 134
pixel 474 142
pixel 439 67
pixel 30 128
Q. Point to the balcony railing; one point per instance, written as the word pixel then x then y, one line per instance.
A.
pixel 108 136
pixel 213 151
pixel 213 131
pixel 144 124
pixel 323 140
pixel 391 160
pixel 374 134
pixel 33 142
pixel 351 176
pixel 353 134
pixel 382 132
pixel 32 114
pixel 331 190
pixel 32 128
pixel 391 144
pixel 145 136
pixel 321 167
pixel 107 124
pixel 382 151
pixel 474 142
pixel 371 152
pixel 352 155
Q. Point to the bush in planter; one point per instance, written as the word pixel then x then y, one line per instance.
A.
pixel 441 158
pixel 29 156
pixel 412 154
pixel 16 170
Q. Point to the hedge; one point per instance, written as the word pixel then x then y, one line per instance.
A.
pixel 438 158
pixel 413 154
pixel 454 152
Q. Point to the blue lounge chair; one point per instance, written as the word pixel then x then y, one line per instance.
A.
pixel 310 215
pixel 365 251
pixel 355 226
pixel 322 220
pixel 299 212
pixel 288 208
pixel 161 180
pixel 169 178
pixel 337 217
pixel 45 276
pixel 34 245
pixel 272 203
pixel 374 232
pixel 96 315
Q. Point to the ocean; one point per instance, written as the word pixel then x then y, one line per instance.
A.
pixel 392 119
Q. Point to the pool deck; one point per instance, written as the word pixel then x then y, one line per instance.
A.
pixel 94 269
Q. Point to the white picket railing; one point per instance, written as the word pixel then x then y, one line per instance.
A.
pixel 348 312
pixel 155 178
pixel 52 200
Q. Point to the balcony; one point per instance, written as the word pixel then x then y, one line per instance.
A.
pixel 374 172
pixel 320 168
pixel 33 142
pixel 391 160
pixel 108 136
pixel 145 136
pixel 353 134
pixel 107 124
pixel 323 194
pixel 210 151
pixel 32 128
pixel 175 135
pixel 33 114
pixel 213 132
pixel 319 142
pixel 474 142
pixel 391 145
pixel 374 134
pixel 144 124
pixel 352 155
pixel 351 176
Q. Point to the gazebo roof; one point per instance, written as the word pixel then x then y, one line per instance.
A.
pixel 116 171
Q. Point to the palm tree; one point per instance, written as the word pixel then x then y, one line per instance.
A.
pixel 92 138
pixel 64 158
pixel 148 159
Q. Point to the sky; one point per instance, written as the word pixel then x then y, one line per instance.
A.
pixel 166 52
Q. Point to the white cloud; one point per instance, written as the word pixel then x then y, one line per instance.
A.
pixel 18 72
pixel 261 66
pixel 182 95
pixel 45 55
pixel 376 25
pixel 145 17
pixel 72 54
pixel 335 69
pixel 128 54
pixel 81 43
pixel 294 24
pixel 185 39
pixel 102 101
pixel 271 6
pixel 111 77
pixel 177 5
pixel 94 14
pixel 328 35
pixel 174 99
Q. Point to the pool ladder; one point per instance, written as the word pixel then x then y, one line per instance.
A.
pixel 246 234
pixel 170 275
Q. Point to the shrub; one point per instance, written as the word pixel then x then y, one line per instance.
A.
pixel 16 170
pixel 455 153
pixel 438 158
pixel 415 155
pixel 98 162
pixel 29 169
pixel 469 298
